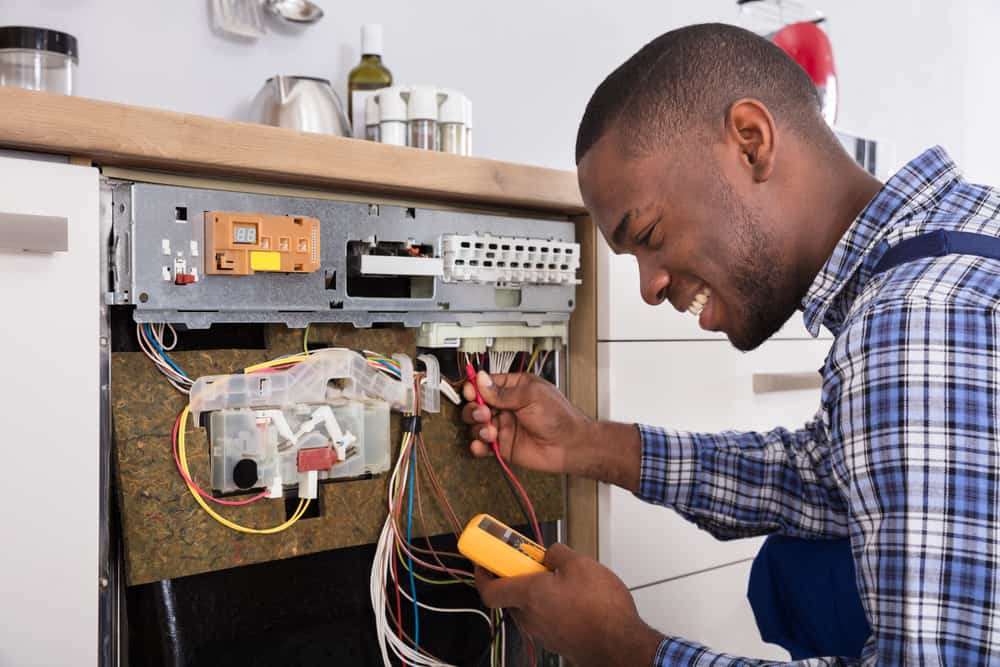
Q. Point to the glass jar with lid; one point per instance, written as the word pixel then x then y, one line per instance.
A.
pixel 38 59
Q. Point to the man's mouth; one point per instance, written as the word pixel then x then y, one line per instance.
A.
pixel 699 301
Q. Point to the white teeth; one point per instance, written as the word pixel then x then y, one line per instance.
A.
pixel 700 299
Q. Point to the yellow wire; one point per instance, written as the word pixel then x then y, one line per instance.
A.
pixel 399 552
pixel 182 455
pixel 305 340
pixel 534 357
pixel 276 362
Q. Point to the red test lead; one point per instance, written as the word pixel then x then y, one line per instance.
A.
pixel 470 373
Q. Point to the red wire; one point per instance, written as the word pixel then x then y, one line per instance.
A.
pixel 470 372
pixel 520 489
pixel 201 492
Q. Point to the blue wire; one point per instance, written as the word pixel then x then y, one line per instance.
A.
pixel 391 369
pixel 162 353
pixel 409 538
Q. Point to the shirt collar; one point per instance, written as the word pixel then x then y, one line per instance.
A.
pixel 918 184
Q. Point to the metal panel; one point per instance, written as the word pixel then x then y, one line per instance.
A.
pixel 147 221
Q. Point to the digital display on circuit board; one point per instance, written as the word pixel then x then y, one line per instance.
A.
pixel 245 234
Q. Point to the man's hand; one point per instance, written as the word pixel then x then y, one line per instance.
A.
pixel 535 423
pixel 580 610
pixel 535 426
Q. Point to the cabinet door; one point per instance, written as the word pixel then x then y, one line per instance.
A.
pixel 710 608
pixel 623 315
pixel 49 346
pixel 696 386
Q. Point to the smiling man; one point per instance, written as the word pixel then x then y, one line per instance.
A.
pixel 705 156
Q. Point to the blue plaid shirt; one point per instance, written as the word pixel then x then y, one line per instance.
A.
pixel 903 456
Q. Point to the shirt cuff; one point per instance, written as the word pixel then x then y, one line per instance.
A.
pixel 668 466
pixel 677 652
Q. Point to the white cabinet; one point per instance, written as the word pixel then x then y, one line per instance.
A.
pixel 710 608
pixel 623 315
pixel 697 386
pixel 49 353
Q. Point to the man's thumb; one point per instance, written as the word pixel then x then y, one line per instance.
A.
pixel 558 555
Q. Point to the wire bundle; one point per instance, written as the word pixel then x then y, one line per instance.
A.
pixel 151 343
pixel 396 549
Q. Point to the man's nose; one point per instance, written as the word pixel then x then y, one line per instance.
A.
pixel 653 283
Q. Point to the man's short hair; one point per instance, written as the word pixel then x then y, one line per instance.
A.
pixel 691 76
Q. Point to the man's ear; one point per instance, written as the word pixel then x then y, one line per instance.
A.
pixel 750 129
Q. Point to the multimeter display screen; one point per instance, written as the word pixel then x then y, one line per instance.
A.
pixel 503 533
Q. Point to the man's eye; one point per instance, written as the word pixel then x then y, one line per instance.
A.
pixel 643 239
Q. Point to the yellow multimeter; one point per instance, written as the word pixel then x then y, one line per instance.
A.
pixel 501 550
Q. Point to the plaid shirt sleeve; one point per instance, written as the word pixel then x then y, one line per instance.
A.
pixel 737 484
pixel 911 393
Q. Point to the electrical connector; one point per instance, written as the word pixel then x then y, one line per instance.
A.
pixel 508 260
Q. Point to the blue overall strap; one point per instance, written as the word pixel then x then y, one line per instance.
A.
pixel 938 244
pixel 804 593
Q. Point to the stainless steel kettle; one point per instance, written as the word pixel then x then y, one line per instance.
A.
pixel 302 103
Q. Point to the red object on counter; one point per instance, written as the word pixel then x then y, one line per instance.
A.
pixel 316 458
pixel 809 46
pixel 185 278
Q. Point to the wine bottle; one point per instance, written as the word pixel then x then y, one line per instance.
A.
pixel 370 75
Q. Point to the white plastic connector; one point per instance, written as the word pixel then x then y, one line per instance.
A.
pixel 472 345
pixel 276 489
pixel 473 338
pixel 509 260
pixel 308 484
pixel 430 387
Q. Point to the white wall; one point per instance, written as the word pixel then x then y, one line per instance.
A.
pixel 911 72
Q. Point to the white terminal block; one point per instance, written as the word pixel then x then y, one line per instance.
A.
pixel 509 260
pixel 450 335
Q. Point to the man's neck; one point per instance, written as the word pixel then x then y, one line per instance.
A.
pixel 842 190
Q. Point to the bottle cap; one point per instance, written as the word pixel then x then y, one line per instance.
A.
pixel 391 105
pixel 371 110
pixel 422 103
pixel 452 109
pixel 371 39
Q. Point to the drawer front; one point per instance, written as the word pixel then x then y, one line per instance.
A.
pixel 49 346
pixel 623 315
pixel 698 386
pixel 710 608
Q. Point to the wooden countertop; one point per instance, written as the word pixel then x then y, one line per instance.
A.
pixel 127 136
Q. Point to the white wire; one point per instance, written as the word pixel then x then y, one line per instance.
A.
pixel 381 573
pixel 178 381
pixel 448 611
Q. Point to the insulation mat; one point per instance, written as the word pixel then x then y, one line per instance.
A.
pixel 167 535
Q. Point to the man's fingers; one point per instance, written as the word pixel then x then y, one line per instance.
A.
pixel 475 414
pixel 505 592
pixel 468 393
pixel 506 391
pixel 558 556
pixel 480 449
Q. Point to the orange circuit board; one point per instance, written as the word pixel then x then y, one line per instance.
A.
pixel 240 244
